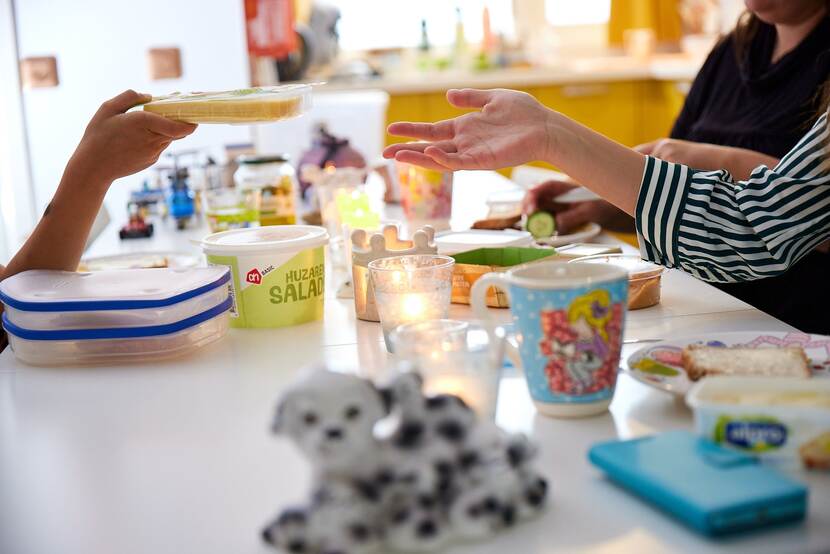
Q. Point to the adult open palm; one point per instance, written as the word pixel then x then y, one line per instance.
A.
pixel 509 129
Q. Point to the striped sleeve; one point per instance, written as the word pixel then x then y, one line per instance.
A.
pixel 724 231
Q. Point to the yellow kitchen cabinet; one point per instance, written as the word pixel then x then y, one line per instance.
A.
pixel 630 112
pixel 608 108
pixel 406 107
pixel 660 104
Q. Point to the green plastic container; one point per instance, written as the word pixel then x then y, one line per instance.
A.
pixel 277 273
pixel 470 266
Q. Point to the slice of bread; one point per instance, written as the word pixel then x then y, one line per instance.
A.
pixel 700 360
pixel 816 453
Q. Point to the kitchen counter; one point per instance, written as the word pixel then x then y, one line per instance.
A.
pixel 662 67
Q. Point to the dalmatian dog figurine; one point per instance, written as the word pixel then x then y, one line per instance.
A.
pixel 331 418
pixel 439 476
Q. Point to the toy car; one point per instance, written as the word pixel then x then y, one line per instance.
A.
pixel 136 227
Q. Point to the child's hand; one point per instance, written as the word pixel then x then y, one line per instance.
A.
pixel 116 144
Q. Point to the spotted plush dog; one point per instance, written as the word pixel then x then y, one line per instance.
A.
pixel 437 475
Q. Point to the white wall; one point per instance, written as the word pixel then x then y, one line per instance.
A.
pixel 101 46
pixel 17 214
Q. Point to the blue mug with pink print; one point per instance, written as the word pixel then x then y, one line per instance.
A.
pixel 569 321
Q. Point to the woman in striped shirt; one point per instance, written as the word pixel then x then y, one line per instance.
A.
pixel 703 222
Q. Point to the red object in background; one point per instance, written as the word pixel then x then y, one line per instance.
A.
pixel 269 25
pixel 136 227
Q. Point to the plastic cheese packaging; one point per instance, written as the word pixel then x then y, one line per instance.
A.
pixel 67 318
pixel 779 419
pixel 277 273
pixel 243 106
pixel 643 277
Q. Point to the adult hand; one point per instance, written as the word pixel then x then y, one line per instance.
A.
pixel 509 129
pixel 116 144
pixel 572 215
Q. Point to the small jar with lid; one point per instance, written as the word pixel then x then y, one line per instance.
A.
pixel 268 184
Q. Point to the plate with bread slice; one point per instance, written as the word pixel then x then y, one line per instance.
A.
pixel 674 365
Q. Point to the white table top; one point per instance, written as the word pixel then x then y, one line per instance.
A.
pixel 176 457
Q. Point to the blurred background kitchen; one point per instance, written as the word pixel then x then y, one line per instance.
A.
pixel 619 66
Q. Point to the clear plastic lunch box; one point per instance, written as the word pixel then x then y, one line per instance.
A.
pixel 118 345
pixel 243 106
pixel 52 300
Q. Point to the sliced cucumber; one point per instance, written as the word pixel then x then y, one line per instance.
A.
pixel 541 225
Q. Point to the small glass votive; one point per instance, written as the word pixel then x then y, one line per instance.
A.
pixel 410 289
pixel 455 357
pixel 367 247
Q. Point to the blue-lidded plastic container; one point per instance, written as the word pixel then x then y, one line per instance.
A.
pixel 69 318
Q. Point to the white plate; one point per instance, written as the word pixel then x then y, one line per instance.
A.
pixel 658 365
pixel 586 232
pixel 141 260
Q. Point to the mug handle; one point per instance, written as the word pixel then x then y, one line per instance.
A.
pixel 478 300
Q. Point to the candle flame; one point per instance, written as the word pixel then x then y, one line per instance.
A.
pixel 413 306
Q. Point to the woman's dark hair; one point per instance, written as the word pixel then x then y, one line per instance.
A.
pixel 745 30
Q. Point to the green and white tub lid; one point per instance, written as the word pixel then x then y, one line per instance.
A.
pixel 273 238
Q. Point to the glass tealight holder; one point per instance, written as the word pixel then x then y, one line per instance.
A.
pixel 409 289
pixel 455 357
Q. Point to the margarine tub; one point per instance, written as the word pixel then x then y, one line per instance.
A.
pixel 780 420
pixel 277 273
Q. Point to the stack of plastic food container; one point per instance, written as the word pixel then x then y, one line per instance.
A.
pixel 67 318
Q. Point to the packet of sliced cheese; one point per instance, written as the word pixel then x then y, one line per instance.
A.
pixel 243 106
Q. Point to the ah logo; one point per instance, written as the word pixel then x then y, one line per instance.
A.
pixel 254 277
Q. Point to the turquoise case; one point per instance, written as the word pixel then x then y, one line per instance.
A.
pixel 714 490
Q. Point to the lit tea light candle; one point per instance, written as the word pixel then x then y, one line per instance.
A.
pixel 475 391
pixel 413 307
pixel 409 289
pixel 368 246
pixel 454 357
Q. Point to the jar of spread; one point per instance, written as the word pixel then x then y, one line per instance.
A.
pixel 269 185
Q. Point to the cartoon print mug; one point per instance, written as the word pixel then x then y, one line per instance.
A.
pixel 569 321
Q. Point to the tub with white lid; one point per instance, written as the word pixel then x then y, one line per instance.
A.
pixel 780 420
pixel 277 273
